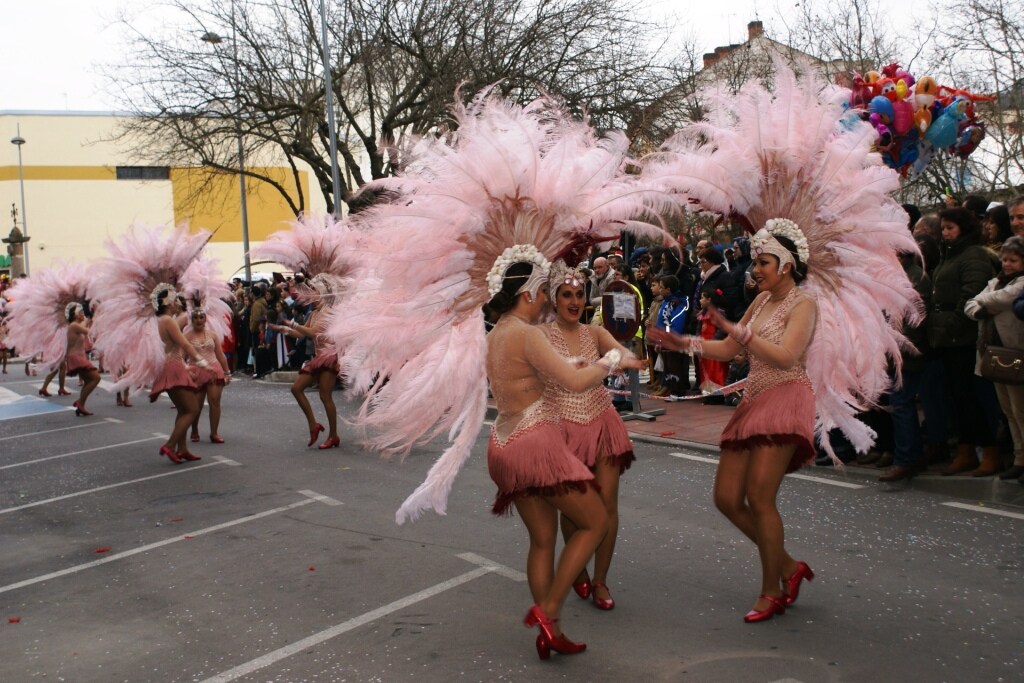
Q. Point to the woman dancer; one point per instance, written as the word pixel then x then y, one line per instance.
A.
pixel 527 455
pixel 3 338
pixel 210 380
pixel 176 378
pixel 772 431
pixel 594 430
pixel 321 370
pixel 818 353
pixel 77 362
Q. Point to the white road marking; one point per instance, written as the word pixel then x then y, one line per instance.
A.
pixel 501 569
pixel 989 511
pixel 325 635
pixel 805 477
pixel 219 461
pixel 87 450
pixel 320 497
pixel 63 429
pixel 153 546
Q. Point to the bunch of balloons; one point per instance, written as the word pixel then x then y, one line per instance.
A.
pixel 916 117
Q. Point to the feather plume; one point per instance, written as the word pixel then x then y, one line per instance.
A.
pixel 203 288
pixel 411 330
pixel 38 322
pixel 794 154
pixel 126 325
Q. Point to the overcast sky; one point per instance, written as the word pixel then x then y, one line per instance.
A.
pixel 50 49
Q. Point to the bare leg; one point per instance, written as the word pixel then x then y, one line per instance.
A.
pixel 214 392
pixel 540 518
pixel 568 529
pixel 607 476
pixel 186 401
pixel 588 513
pixel 325 383
pixel 299 387
pixel 92 380
pixel 199 413
pixel 764 475
pixel 62 376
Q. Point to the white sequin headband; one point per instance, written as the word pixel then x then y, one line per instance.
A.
pixel 520 253
pixel 561 274
pixel 169 293
pixel 764 242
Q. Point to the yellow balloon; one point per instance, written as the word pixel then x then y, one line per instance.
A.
pixel 901 89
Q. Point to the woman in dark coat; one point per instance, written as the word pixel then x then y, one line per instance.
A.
pixel 964 269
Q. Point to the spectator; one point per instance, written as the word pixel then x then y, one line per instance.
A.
pixel 963 271
pixel 995 228
pixel 1017 215
pixel 977 205
pixel 712 371
pixel 1000 327
pixel 672 315
pixel 599 281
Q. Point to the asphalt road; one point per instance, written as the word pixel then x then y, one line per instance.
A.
pixel 269 561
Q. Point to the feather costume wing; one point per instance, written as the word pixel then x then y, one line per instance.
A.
pixel 127 331
pixel 793 154
pixel 38 318
pixel 204 288
pixel 412 328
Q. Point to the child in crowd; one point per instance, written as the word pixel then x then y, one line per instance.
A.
pixel 712 372
pixel 672 316
pixel 655 385
pixel 739 368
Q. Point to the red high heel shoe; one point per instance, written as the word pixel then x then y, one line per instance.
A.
pixel 80 411
pixel 63 392
pixel 775 606
pixel 561 645
pixel 793 582
pixel 547 640
pixel 332 442
pixel 215 439
pixel 44 392
pixel 583 588
pixel 601 603
pixel 127 403
pixel 194 438
pixel 171 455
pixel 185 455
pixel 314 433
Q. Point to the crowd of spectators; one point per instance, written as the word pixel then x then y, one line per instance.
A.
pixel 258 346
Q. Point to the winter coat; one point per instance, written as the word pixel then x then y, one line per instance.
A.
pixel 994 305
pixel 917 334
pixel 962 274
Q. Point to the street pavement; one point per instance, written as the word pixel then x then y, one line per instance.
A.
pixel 271 561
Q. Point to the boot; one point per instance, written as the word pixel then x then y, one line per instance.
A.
pixel 935 454
pixel 990 463
pixel 965 460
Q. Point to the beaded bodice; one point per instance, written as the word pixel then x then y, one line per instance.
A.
pixel 572 406
pixel 762 375
pixel 204 344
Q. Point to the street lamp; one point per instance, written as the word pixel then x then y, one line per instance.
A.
pixel 214 39
pixel 19 141
pixel 329 88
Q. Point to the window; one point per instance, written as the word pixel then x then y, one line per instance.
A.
pixel 143 173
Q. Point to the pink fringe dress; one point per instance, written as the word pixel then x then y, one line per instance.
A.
pixel 78 362
pixel 592 426
pixel 326 359
pixel 214 373
pixel 175 375
pixel 778 405
pixel 533 460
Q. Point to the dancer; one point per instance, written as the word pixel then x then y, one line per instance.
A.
pixel 595 432
pixel 322 251
pixel 45 314
pixel 4 350
pixel 140 281
pixel 772 431
pixel 321 370
pixel 480 213
pixel 77 362
pixel 819 353
pixel 212 379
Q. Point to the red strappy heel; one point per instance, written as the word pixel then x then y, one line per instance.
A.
pixel 44 392
pixel 314 433
pixel 601 603
pixel 775 606
pixel 171 455
pixel 793 582
pixel 547 640
pixel 214 438
pixel 80 411
pixel 185 455
pixel 332 442
pixel 63 392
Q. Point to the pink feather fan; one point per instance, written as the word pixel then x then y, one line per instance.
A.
pixel 126 323
pixel 38 318
pixel 792 153
pixel 412 329
pixel 203 288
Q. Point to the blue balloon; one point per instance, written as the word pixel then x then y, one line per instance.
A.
pixel 883 107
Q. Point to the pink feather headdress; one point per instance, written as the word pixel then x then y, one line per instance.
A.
pixel 38 311
pixel 126 322
pixel 412 329
pixel 793 154
pixel 203 288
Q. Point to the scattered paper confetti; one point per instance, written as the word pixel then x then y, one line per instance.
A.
pixel 186 536
pixel 13 620
pixel 312 568
pixel 178 519
pixel 666 433
pixel 104 549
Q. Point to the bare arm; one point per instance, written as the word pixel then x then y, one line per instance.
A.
pixel 606 342
pixel 542 356
pixel 219 352
pixel 796 338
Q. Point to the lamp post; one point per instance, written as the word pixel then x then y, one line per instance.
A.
pixel 19 141
pixel 214 39
pixel 329 88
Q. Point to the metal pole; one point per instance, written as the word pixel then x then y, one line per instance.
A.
pixel 241 150
pixel 19 141
pixel 329 88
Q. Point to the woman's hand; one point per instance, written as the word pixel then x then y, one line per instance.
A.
pixel 666 340
pixel 720 321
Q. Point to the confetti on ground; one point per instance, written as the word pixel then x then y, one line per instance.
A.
pixel 105 549
pixel 178 519
pixel 666 433
pixel 312 568
pixel 13 620
pixel 186 536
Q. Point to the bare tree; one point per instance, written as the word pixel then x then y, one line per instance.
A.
pixel 396 66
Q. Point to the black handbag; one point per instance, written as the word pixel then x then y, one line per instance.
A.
pixel 1000 364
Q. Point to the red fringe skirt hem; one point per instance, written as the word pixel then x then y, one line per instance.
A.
pixel 175 375
pixel 78 362
pixel 780 416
